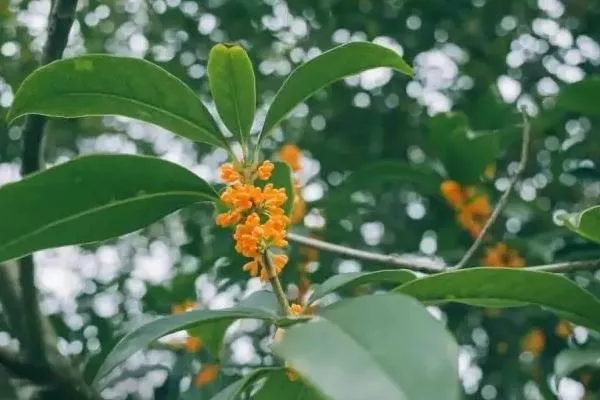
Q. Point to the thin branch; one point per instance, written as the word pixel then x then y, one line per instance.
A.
pixel 60 21
pixel 568 266
pixel 504 198
pixel 394 260
pixel 21 368
pixel 276 285
pixel 10 298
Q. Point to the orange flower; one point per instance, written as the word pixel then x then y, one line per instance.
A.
pixel 563 329
pixel 501 256
pixel 265 170
pixel 229 174
pixel 534 342
pixel 296 309
pixel 207 374
pixel 186 305
pixel 291 374
pixel 291 155
pixel 192 344
pixel 452 192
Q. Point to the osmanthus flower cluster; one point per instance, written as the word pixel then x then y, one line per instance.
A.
pixel 473 209
pixel 257 215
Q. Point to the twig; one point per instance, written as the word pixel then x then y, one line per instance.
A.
pixel 504 198
pixel 568 266
pixel 60 21
pixel 395 260
pixel 10 298
pixel 276 285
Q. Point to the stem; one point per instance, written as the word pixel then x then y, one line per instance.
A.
pixel 568 266
pixel 276 285
pixel 396 260
pixel 60 21
pixel 504 199
pixel 10 298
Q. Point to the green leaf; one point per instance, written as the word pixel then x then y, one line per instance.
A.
pixel 425 179
pixel 353 279
pixel 231 80
pixel 586 224
pixel 92 198
pixel 580 97
pixel 281 178
pixel 211 322
pixel 465 154
pixel 501 287
pixel 98 84
pixel 570 360
pixel 383 346
pixel 278 387
pixel 233 391
pixel 335 64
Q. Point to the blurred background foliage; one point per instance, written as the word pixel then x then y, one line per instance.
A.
pixel 375 150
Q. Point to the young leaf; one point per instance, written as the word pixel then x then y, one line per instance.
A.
pixel 98 84
pixel 335 64
pixel 211 322
pixel 231 80
pixel 278 386
pixel 92 198
pixel 586 224
pixel 282 178
pixel 233 391
pixel 570 360
pixel 502 287
pixel 353 279
pixel 384 346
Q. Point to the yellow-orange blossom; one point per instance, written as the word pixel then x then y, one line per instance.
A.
pixel 258 215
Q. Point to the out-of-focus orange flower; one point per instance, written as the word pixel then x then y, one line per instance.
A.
pixel 291 374
pixel 207 374
pixel 298 206
pixel 265 170
pixel 453 193
pixel 192 344
pixel 563 329
pixel 184 306
pixel 473 209
pixel 490 171
pixel 534 342
pixel 292 156
pixel 501 256
pixel 296 309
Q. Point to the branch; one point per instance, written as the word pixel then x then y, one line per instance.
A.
pixel 568 266
pixel 394 260
pixel 276 285
pixel 10 298
pixel 504 199
pixel 60 21
pixel 19 367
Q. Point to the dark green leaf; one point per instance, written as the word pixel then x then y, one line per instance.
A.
pixel 335 64
pixel 465 154
pixel 374 347
pixel 98 84
pixel 231 79
pixel 278 386
pixel 211 322
pixel 92 198
pixel 233 391
pixel 570 360
pixel 586 224
pixel 353 279
pixel 501 287
pixel 580 97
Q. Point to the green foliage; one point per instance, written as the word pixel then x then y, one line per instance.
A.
pixel 586 224
pixel 326 68
pixel 571 360
pixel 233 88
pixel 351 345
pixel 354 279
pixel 233 391
pixel 108 196
pixel 580 97
pixel 508 287
pixel 109 85
pixel 210 325
pixel 278 384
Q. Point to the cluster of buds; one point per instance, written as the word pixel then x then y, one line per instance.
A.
pixel 257 214
pixel 473 209
pixel 501 255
